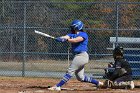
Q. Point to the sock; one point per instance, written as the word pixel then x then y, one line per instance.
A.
pixel 91 80
pixel 66 77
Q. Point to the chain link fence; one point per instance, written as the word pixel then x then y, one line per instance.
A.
pixel 24 53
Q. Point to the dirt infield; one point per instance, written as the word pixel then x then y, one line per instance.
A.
pixel 39 85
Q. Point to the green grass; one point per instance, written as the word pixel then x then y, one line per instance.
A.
pixel 50 65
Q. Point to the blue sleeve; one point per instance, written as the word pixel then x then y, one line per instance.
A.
pixel 84 35
pixel 69 35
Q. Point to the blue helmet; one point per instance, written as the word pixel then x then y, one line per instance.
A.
pixel 77 25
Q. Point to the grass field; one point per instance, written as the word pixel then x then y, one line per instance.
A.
pixel 49 65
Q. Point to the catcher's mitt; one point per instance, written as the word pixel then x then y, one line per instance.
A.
pixel 108 84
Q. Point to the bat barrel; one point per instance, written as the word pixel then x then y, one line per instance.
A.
pixel 44 34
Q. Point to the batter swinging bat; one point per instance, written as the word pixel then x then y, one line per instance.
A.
pixel 44 34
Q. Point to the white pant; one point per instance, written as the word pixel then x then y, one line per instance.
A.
pixel 77 65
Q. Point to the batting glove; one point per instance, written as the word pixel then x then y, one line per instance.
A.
pixel 59 39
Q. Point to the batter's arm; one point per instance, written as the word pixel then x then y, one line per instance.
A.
pixel 66 37
pixel 76 40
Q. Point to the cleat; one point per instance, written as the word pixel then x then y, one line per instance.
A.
pixel 55 88
pixel 100 85
pixel 132 85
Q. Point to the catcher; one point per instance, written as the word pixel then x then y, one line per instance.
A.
pixel 119 74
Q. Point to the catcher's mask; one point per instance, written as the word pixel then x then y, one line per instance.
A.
pixel 118 51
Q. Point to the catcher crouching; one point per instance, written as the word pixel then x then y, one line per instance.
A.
pixel 119 74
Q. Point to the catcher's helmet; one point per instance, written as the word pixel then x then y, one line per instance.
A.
pixel 118 51
pixel 77 25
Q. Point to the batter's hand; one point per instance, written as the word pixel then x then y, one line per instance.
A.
pixel 59 39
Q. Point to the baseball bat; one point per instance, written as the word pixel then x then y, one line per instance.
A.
pixel 44 34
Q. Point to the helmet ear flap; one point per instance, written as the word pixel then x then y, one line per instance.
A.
pixel 74 27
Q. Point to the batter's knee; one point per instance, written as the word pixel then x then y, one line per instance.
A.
pixel 70 72
pixel 79 77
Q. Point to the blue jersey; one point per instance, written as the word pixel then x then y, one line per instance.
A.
pixel 80 46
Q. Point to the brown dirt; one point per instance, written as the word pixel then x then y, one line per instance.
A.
pixel 40 85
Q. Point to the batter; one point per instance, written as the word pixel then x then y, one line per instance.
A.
pixel 79 41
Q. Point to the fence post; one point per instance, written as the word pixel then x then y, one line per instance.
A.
pixel 24 51
pixel 117 22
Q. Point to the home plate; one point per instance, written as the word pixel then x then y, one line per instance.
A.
pixel 39 91
pixel 67 89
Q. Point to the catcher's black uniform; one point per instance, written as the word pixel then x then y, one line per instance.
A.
pixel 119 74
pixel 122 71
